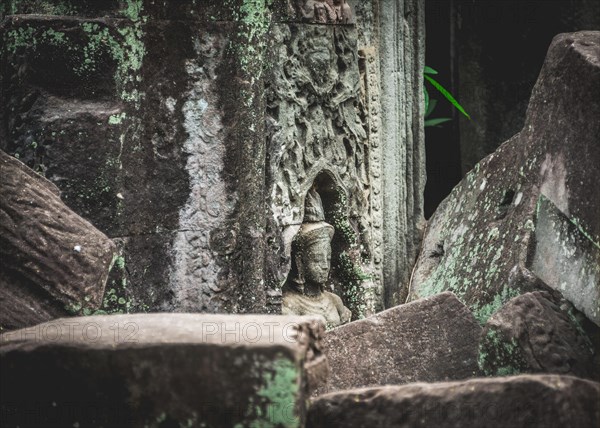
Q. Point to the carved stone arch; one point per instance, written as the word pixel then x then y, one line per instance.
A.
pixel 347 262
pixel 328 184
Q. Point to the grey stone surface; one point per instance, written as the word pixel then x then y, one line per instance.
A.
pixel 530 210
pixel 566 259
pixel 402 59
pixel 52 261
pixel 322 11
pixel 157 369
pixel 528 401
pixel 533 333
pixel 138 142
pixel 433 339
pixel 150 118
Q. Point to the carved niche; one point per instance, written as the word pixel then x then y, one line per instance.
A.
pixel 317 136
pixel 307 290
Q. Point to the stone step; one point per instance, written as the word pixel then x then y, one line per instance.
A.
pixel 432 339
pixel 527 401
pixel 160 370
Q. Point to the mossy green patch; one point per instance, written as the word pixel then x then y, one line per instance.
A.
pixel 249 47
pixel 133 9
pixel 577 223
pixel 498 356
pixel 19 38
pixel 125 46
pixel 127 49
pixel 347 263
pixel 116 119
pixel 40 7
pixel 274 404
pixel 484 312
pixel 117 299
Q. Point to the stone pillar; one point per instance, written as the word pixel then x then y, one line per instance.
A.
pixel 149 119
pixel 402 51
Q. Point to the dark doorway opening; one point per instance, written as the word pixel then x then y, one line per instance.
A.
pixel 442 143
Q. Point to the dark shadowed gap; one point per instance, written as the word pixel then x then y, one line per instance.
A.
pixel 442 143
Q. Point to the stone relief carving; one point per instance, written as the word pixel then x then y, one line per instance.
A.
pixel 314 119
pixel 205 240
pixel 371 102
pixel 325 11
pixel 305 291
pixel 317 124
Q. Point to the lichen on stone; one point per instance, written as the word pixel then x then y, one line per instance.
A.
pixel 499 357
pixel 274 404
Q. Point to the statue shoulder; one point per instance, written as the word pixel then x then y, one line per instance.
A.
pixel 334 297
pixel 292 304
pixel 344 313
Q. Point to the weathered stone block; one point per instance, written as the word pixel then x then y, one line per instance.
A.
pixel 528 401
pixel 566 259
pixel 128 119
pixel 160 369
pixel 432 339
pixel 52 260
pixel 529 211
pixel 534 334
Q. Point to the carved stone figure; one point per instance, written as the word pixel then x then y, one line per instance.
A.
pixel 343 11
pixel 326 11
pixel 305 290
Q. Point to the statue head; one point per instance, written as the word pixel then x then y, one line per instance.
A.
pixel 312 248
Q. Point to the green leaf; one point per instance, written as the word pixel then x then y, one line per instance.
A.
pixel 429 70
pixel 436 122
pixel 447 95
pixel 431 107
pixel 426 95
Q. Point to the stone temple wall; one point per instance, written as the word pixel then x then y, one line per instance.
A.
pixel 190 132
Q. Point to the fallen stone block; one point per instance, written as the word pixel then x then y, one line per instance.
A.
pixel 160 370
pixel 52 260
pixel 534 334
pixel 432 339
pixel 527 401
pixel 532 206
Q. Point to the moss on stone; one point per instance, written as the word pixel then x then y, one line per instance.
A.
pixel 116 298
pixel 577 223
pixel 250 44
pixel 484 312
pixel 126 48
pixel 274 404
pixel 255 16
pixel 41 7
pixel 116 119
pixel 498 356
pixel 127 51
pixel 20 38
pixel 347 263
pixel 133 9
